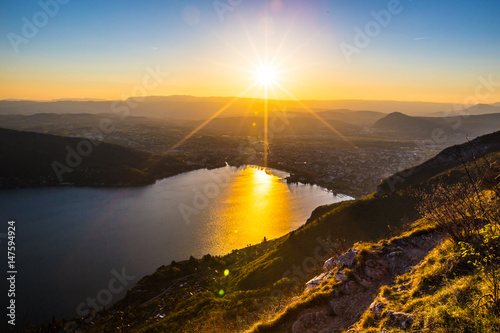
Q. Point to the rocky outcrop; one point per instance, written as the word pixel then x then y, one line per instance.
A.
pixel 330 264
pixel 357 276
pixel 347 259
pixel 317 280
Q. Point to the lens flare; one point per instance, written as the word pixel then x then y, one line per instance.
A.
pixel 265 72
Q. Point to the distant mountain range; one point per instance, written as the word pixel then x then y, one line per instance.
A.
pixel 191 108
pixel 428 127
pixel 482 109
pixel 477 109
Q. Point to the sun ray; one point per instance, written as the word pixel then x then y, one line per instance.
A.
pixel 241 54
pixel 254 49
pixel 292 69
pixel 267 77
pixel 223 64
pixel 283 40
pixel 330 127
pixel 249 109
pixel 266 141
pixel 300 47
pixel 197 129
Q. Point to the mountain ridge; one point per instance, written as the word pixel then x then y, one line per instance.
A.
pixel 438 128
pixel 278 267
pixel 162 105
pixel 37 159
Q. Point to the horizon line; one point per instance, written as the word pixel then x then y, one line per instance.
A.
pixel 90 99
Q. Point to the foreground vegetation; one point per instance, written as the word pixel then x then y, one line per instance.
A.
pixel 264 283
pixel 454 288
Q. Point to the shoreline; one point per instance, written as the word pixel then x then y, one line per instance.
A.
pixel 292 178
pixel 230 168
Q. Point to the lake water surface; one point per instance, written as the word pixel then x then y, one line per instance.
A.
pixel 69 240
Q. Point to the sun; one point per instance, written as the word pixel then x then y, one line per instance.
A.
pixel 266 75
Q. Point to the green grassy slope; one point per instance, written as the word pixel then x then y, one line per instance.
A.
pixel 263 275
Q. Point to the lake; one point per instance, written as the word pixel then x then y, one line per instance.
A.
pixel 71 242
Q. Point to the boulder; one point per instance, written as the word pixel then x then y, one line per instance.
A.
pixel 348 258
pixel 330 264
pixel 316 281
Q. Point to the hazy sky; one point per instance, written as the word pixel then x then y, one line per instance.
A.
pixel 423 50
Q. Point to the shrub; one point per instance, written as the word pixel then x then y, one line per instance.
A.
pixel 469 212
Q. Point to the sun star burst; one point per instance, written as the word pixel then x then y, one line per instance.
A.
pixel 266 76
pixel 267 81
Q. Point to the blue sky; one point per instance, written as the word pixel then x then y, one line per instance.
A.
pixel 431 50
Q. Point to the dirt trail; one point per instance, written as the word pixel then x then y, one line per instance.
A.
pixel 379 267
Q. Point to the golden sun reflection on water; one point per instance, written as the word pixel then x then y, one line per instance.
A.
pixel 256 205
